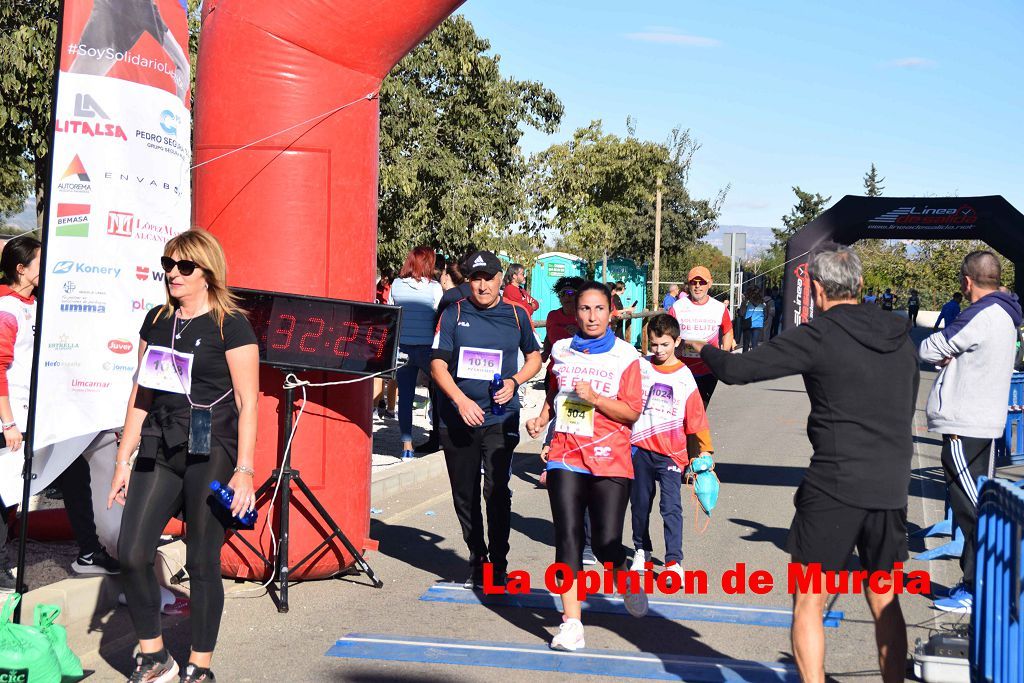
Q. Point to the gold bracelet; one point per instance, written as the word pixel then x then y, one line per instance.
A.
pixel 246 470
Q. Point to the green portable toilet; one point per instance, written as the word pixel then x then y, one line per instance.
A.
pixel 635 277
pixel 546 271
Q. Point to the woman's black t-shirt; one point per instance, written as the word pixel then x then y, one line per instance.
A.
pixel 211 379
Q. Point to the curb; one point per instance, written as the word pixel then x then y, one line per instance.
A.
pixel 393 479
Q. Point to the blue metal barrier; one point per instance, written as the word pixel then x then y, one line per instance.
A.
pixel 997 622
pixel 1012 448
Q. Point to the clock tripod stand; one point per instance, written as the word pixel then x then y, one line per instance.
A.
pixel 283 477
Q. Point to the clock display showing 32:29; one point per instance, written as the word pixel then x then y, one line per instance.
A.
pixel 322 334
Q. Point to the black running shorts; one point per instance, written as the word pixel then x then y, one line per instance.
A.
pixel 826 531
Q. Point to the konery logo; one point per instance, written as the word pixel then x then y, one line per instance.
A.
pixel 65 267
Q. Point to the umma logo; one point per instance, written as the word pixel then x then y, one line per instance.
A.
pixel 13 675
pixel 119 346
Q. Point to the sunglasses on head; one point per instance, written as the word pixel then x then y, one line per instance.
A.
pixel 698 281
pixel 185 267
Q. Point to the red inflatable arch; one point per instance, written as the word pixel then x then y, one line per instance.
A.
pixel 296 211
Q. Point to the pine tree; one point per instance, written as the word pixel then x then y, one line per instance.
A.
pixel 872 183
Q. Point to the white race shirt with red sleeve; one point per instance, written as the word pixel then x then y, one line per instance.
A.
pixel 17 344
pixel 585 440
pixel 700 322
pixel 672 409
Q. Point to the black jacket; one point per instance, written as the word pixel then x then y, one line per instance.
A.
pixel 860 369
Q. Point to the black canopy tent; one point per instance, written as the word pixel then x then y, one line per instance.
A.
pixel 990 219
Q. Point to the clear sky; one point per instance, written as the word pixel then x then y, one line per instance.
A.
pixel 783 93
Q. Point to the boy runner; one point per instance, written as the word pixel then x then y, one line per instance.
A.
pixel 673 423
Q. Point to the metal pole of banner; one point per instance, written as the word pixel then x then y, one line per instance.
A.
pixel 732 275
pixel 657 244
pixel 27 444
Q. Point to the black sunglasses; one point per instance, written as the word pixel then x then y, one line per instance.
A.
pixel 567 292
pixel 185 267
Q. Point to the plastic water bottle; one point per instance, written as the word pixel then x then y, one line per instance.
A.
pixel 495 386
pixel 224 495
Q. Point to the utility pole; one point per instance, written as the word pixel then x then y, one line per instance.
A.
pixel 732 275
pixel 604 266
pixel 657 247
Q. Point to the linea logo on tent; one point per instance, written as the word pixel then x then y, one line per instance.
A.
pixel 908 216
pixel 75 178
pixel 73 220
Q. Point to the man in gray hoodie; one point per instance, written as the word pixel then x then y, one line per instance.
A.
pixel 967 404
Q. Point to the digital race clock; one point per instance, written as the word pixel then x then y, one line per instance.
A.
pixel 314 333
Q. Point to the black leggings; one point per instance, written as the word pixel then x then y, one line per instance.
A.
pixel 161 487
pixel 605 498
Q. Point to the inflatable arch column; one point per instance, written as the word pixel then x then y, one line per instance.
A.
pixel 296 211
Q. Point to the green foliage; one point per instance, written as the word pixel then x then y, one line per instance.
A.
pixel 28 33
pixel 597 192
pixel 872 183
pixel 808 207
pixel 452 173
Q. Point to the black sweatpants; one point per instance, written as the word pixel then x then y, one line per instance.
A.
pixel 159 488
pixel 76 484
pixel 572 493
pixel 465 450
pixel 964 459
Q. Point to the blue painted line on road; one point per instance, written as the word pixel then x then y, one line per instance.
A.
pixel 619 664
pixel 675 610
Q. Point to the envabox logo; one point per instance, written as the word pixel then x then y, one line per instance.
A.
pixel 73 220
pixel 120 346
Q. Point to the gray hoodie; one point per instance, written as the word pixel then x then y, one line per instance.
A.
pixel 969 397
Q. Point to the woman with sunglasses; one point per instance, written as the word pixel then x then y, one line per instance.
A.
pixel 594 395
pixel 192 415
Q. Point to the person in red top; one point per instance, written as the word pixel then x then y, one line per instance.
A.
pixel 561 322
pixel 594 395
pixel 703 319
pixel 514 289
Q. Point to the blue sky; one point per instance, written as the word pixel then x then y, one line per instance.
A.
pixel 787 93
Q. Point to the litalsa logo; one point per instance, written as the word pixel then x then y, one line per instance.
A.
pixel 75 178
pixel 964 215
pixel 119 346
pixel 86 107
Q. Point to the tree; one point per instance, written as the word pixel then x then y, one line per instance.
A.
pixel 808 207
pixel 28 32
pixel 872 183
pixel 597 192
pixel 451 169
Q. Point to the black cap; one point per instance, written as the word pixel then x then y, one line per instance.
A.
pixel 482 262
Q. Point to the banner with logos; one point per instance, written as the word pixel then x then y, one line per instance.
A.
pixel 120 188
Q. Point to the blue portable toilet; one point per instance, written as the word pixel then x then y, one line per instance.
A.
pixel 546 271
pixel 635 296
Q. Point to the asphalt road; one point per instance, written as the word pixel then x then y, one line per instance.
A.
pixel 761 451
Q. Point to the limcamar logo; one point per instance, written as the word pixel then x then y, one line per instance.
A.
pixel 119 345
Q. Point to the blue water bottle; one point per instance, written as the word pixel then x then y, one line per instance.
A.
pixel 495 386
pixel 224 495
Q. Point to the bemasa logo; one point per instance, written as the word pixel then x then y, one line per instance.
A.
pixel 73 220
pixel 120 346
pixel 79 179
pixel 66 267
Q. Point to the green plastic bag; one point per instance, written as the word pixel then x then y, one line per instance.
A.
pixel 26 655
pixel 45 617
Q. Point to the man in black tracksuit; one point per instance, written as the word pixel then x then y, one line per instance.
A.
pixel 860 369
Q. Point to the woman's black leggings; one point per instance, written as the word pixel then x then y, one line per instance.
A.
pixel 159 488
pixel 606 498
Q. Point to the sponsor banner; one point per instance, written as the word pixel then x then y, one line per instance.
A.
pixel 120 189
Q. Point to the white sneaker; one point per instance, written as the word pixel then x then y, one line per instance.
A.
pixel 569 637
pixel 639 559
pixel 673 575
pixel 636 603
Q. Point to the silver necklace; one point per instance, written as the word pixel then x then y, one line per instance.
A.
pixel 184 327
